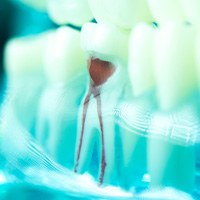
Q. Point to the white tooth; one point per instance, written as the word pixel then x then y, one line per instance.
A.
pixel 136 114
pixel 141 69
pixel 38 4
pixel 64 57
pixel 166 10
pixel 69 11
pixel 123 13
pixel 191 10
pixel 57 119
pixel 24 66
pixel 105 41
pixel 176 81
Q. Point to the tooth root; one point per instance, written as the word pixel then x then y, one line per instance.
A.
pixel 191 10
pixel 166 10
pixel 65 12
pixel 124 14
pixel 57 119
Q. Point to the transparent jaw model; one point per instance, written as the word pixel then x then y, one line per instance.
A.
pixel 120 101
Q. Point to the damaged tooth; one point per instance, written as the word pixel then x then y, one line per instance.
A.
pixel 96 125
pixel 123 13
pixel 166 10
pixel 69 12
pixel 25 71
pixel 135 114
pixel 176 82
pixel 65 70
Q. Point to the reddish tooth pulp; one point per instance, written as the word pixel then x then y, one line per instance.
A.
pixel 100 71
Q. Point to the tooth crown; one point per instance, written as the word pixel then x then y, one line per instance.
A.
pixel 95 37
pixel 123 13
pixel 69 11
pixel 24 56
pixel 64 57
pixel 175 63
pixel 141 69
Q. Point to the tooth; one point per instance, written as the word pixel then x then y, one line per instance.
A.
pixel 166 10
pixel 96 119
pixel 124 14
pixel 176 81
pixel 191 10
pixel 38 4
pixel 24 67
pixel 136 114
pixel 69 11
pixel 105 41
pixel 65 70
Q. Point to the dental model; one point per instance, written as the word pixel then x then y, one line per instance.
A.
pixel 69 12
pixel 65 65
pixel 106 47
pixel 172 164
pixel 25 72
pixel 135 113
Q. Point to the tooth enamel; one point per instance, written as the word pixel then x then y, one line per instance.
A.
pixel 176 81
pixel 141 59
pixel 105 41
pixel 175 64
pixel 64 52
pixel 69 11
pixel 136 114
pixel 191 10
pixel 166 10
pixel 57 119
pixel 38 4
pixel 123 13
pixel 24 66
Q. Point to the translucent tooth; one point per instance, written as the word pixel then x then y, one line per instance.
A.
pixel 123 13
pixel 191 10
pixel 58 110
pixel 176 81
pixel 141 70
pixel 105 40
pixel 175 64
pixel 136 113
pixel 69 11
pixel 166 10
pixel 25 70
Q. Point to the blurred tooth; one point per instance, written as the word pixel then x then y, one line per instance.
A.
pixel 69 11
pixel 123 13
pixel 136 114
pixel 24 66
pixel 166 10
pixel 106 41
pixel 175 64
pixel 191 10
pixel 38 4
pixel 176 81
pixel 57 119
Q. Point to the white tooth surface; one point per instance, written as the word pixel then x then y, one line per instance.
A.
pixel 175 64
pixel 57 119
pixel 141 70
pixel 64 57
pixel 24 66
pixel 191 10
pixel 38 4
pixel 176 81
pixel 69 11
pixel 123 13
pixel 166 10
pixel 105 40
pixel 136 114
